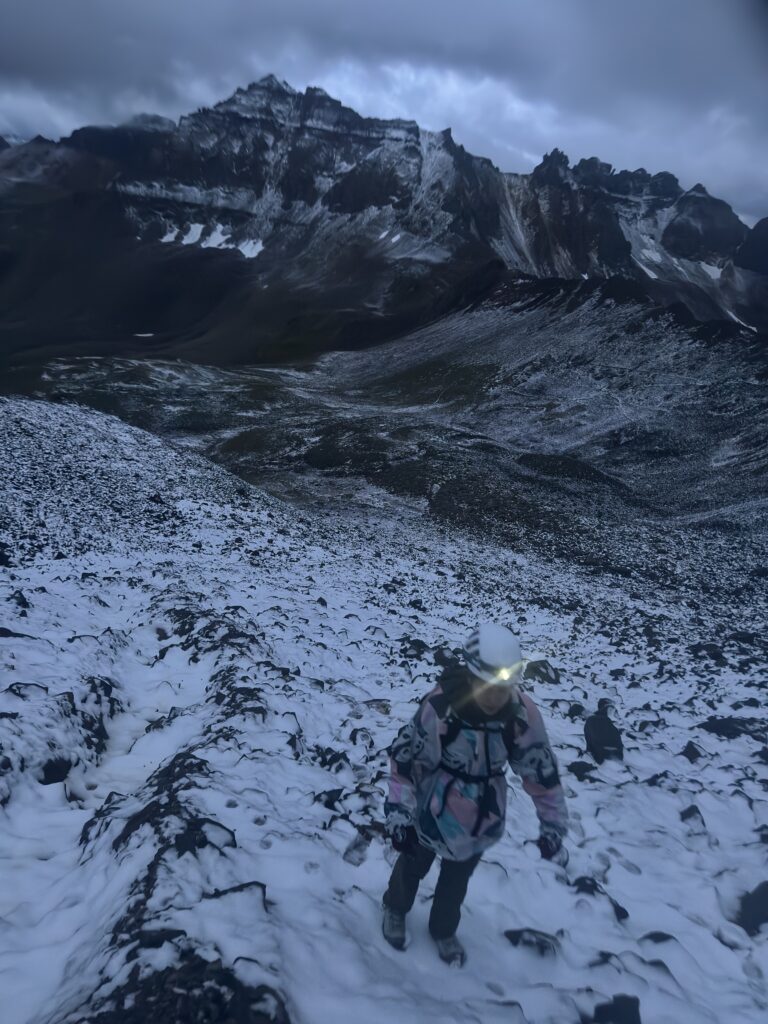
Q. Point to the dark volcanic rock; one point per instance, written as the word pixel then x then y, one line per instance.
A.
pixel 581 769
pixel 530 938
pixel 7 634
pixel 55 770
pixel 691 751
pixel 542 672
pixel 711 650
pixel 154 938
pixel 585 885
pixel 730 728
pixel 196 992
pixel 621 1010
pixel 753 912
pixel 692 813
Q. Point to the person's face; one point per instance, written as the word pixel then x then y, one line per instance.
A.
pixel 490 697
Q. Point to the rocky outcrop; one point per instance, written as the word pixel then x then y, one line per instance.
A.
pixel 752 254
pixel 703 228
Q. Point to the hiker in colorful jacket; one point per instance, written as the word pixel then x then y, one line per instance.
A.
pixel 447 790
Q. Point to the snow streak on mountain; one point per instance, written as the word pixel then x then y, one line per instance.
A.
pixel 201 683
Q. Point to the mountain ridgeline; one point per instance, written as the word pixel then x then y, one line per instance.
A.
pixel 278 224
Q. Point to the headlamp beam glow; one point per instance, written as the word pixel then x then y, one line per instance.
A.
pixel 512 672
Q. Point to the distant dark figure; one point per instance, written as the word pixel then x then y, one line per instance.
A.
pixel 603 738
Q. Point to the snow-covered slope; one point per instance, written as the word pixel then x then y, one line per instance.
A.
pixel 199 687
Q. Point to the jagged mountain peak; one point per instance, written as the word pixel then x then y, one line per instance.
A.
pixel 268 93
pixel 555 159
pixel 272 83
pixel 557 156
pixel 665 183
pixel 276 100
pixel 554 169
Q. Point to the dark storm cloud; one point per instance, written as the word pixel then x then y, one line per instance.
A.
pixel 668 84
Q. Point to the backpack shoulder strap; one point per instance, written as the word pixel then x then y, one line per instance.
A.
pixel 452 730
pixel 514 727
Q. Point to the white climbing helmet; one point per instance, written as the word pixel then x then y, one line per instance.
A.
pixel 492 653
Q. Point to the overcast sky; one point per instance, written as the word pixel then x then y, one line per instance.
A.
pixel 678 85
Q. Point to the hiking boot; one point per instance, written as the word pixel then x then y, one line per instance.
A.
pixel 451 951
pixel 393 927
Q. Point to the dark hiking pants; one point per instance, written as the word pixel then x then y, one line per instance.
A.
pixel 450 890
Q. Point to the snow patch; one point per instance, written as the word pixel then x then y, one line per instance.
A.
pixel 251 248
pixel 216 239
pixel 642 266
pixel 193 234
pixel 733 316
pixel 653 255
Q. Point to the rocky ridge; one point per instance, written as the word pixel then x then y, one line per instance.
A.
pixel 317 228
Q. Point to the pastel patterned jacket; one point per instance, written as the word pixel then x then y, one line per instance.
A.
pixel 447 770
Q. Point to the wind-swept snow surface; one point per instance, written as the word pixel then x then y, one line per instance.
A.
pixel 199 686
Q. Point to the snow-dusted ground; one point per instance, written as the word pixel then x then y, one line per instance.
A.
pixel 224 674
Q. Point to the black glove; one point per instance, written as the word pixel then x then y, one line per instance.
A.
pixel 405 839
pixel 551 848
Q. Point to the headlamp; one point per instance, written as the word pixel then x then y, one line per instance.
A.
pixel 509 674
